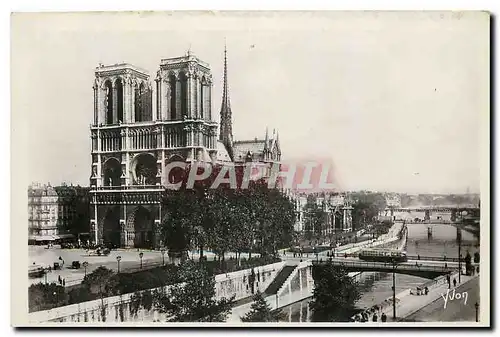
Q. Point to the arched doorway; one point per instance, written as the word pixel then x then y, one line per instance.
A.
pixel 141 220
pixel 111 227
pixel 112 172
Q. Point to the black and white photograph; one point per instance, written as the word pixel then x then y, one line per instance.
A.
pixel 250 169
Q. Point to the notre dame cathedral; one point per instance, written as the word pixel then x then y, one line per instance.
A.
pixel 133 140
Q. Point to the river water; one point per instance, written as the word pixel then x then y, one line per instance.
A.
pixel 376 287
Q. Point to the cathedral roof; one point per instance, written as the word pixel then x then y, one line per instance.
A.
pixel 222 153
pixel 243 147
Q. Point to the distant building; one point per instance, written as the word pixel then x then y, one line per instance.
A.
pixel 337 207
pixel 57 213
pixel 393 200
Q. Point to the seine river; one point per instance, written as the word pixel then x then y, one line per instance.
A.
pixel 376 287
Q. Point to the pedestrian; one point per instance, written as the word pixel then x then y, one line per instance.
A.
pixel 59 279
pixel 64 282
pixel 454 282
pixel 384 317
pixel 375 317
pixel 445 265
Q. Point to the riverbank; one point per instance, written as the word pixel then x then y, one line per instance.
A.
pixel 408 302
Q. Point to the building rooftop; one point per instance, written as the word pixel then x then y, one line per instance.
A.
pixel 189 57
pixel 119 67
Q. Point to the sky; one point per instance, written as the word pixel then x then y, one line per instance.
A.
pixel 396 101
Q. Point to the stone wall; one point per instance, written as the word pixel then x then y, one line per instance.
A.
pixel 116 309
pixel 297 287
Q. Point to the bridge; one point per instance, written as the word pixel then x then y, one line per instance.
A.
pixel 411 258
pixel 417 268
pixel 435 208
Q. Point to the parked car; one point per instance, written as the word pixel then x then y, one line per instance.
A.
pixel 102 251
pixel 75 265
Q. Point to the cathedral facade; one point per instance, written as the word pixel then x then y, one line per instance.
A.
pixel 132 143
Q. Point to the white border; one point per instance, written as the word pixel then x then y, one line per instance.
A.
pixel 95 5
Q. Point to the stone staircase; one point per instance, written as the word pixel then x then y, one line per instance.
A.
pixel 279 280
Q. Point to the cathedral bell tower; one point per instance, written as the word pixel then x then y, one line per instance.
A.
pixel 184 102
pixel 132 144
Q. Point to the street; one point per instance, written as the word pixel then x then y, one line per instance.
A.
pixel 456 310
pixel 40 255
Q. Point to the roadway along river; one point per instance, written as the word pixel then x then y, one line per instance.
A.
pixel 456 309
pixel 376 287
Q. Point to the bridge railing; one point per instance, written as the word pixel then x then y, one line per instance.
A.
pixel 410 257
pixel 381 265
pixel 434 258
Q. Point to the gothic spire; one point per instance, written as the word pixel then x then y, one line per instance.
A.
pixel 226 104
pixel 226 127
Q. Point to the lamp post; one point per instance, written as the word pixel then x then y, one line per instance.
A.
pixel 459 254
pixel 477 311
pixel 141 254
pixel 163 255
pixel 85 264
pixel 393 289
pixel 118 258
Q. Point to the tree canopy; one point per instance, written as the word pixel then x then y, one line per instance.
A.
pixel 257 218
pixel 194 299
pixel 260 311
pixel 335 293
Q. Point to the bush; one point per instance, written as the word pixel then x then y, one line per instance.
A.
pixel 43 296
pixel 147 279
pixel 79 295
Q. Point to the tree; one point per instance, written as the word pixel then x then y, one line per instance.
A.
pixel 260 311
pixel 193 300
pixel 43 296
pixel 227 219
pixel 366 206
pixel 100 282
pixel 183 212
pixel 335 293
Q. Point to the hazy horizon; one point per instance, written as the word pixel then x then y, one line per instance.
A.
pixel 392 100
